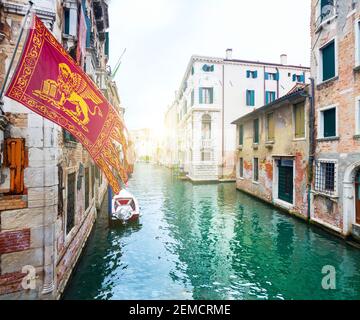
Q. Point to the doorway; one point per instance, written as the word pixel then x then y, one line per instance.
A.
pixel 286 180
pixel 357 197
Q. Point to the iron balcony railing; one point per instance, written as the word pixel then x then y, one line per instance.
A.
pixel 327 11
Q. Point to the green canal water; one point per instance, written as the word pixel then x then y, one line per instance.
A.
pixel 209 242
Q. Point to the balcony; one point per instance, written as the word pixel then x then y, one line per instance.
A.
pixel 327 13
pixel 206 143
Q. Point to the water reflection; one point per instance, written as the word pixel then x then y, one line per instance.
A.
pixel 210 242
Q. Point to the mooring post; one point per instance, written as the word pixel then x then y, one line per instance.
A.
pixel 109 200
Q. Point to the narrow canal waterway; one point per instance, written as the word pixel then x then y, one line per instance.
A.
pixel 209 242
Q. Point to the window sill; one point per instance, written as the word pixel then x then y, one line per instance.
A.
pixel 334 197
pixel 269 144
pixel 70 144
pixel 328 139
pixel 325 22
pixel 240 147
pixel 255 146
pixel 326 82
pixel 299 139
pixel 357 68
pixel 256 182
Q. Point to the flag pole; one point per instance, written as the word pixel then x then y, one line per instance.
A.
pixel 13 55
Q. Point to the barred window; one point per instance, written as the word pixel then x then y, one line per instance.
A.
pixel 325 180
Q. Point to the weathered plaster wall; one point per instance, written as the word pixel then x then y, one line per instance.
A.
pixel 284 145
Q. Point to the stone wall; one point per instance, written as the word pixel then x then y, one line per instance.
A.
pixel 342 91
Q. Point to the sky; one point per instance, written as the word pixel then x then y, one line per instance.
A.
pixel 160 36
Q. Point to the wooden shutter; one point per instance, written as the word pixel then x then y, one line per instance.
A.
pixel 329 123
pixel 200 95
pixel 328 61
pixel 270 127
pixel 256 131
pixel 241 135
pixel 300 120
pixel 16 161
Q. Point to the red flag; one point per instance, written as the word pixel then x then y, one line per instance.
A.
pixel 49 82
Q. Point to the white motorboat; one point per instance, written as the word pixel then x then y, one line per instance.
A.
pixel 125 207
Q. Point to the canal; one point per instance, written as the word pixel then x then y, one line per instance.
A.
pixel 209 242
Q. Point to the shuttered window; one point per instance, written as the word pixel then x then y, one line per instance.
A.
pixel 270 96
pixel 87 188
pixel 250 98
pixel 241 168
pixel 299 110
pixel 70 210
pixel 241 135
pixel 329 123
pixel 206 95
pixel 256 170
pixel 192 98
pixel 66 21
pixel 270 125
pixel 328 61
pixel 16 161
pixel 256 131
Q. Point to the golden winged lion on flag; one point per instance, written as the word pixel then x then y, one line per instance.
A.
pixel 70 87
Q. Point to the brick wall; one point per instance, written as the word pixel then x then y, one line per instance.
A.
pixel 14 241
pixel 13 202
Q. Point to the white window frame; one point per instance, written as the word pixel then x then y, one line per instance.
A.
pixel 318 13
pixel 357 42
pixel 320 60
pixel 357 116
pixel 321 122
pixel 336 177
pixel 275 195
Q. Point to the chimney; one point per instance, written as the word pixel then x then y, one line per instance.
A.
pixel 228 54
pixel 283 59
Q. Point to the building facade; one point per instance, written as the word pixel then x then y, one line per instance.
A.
pixel 273 152
pixel 213 93
pixel 50 188
pixel 335 30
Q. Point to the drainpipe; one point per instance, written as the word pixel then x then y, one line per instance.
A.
pixel 278 83
pixel 312 146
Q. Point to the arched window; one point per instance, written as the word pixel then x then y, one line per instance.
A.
pixel 206 126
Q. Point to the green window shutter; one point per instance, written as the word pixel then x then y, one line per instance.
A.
pixel 252 98
pixel 211 95
pixel 328 61
pixel 329 117
pixel 67 21
pixel 256 169
pixel 256 131
pixel 200 95
pixel 241 135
